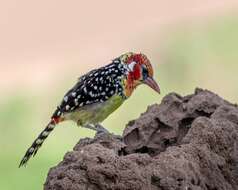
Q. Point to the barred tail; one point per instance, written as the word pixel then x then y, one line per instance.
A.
pixel 38 142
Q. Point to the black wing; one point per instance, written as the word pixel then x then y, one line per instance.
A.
pixel 96 86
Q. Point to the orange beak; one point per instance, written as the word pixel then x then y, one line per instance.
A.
pixel 152 83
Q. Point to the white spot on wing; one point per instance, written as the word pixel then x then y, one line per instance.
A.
pixel 85 90
pixel 67 107
pixel 91 94
pixel 66 98
pixel 59 113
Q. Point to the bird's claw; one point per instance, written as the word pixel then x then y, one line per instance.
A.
pixel 100 129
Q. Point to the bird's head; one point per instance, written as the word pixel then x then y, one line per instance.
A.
pixel 140 71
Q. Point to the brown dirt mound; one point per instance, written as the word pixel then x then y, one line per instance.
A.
pixel 187 143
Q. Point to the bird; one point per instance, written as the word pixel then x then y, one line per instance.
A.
pixel 97 94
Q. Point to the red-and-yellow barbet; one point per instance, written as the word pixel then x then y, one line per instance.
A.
pixel 97 94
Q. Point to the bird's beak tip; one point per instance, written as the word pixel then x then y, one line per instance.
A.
pixel 153 84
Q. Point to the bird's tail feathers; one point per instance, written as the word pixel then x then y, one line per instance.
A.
pixel 39 141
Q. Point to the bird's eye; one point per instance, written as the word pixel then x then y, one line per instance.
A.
pixel 145 72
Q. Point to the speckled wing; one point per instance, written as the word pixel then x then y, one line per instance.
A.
pixel 96 86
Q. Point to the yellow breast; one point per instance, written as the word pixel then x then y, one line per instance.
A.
pixel 95 113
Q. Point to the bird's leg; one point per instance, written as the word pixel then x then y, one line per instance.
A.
pixel 99 128
pixel 89 126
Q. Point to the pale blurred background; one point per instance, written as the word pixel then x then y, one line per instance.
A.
pixel 46 45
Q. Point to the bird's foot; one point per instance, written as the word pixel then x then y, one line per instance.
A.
pixel 101 129
pixel 98 128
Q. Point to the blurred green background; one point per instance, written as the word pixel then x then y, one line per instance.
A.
pixel 187 48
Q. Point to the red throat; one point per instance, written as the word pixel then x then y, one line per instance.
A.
pixel 136 73
pixel 130 82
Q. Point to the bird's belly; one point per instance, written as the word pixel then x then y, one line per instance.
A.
pixel 96 113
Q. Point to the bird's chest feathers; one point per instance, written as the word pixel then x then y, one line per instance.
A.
pixel 96 113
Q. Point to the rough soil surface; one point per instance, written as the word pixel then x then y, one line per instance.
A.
pixel 187 143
